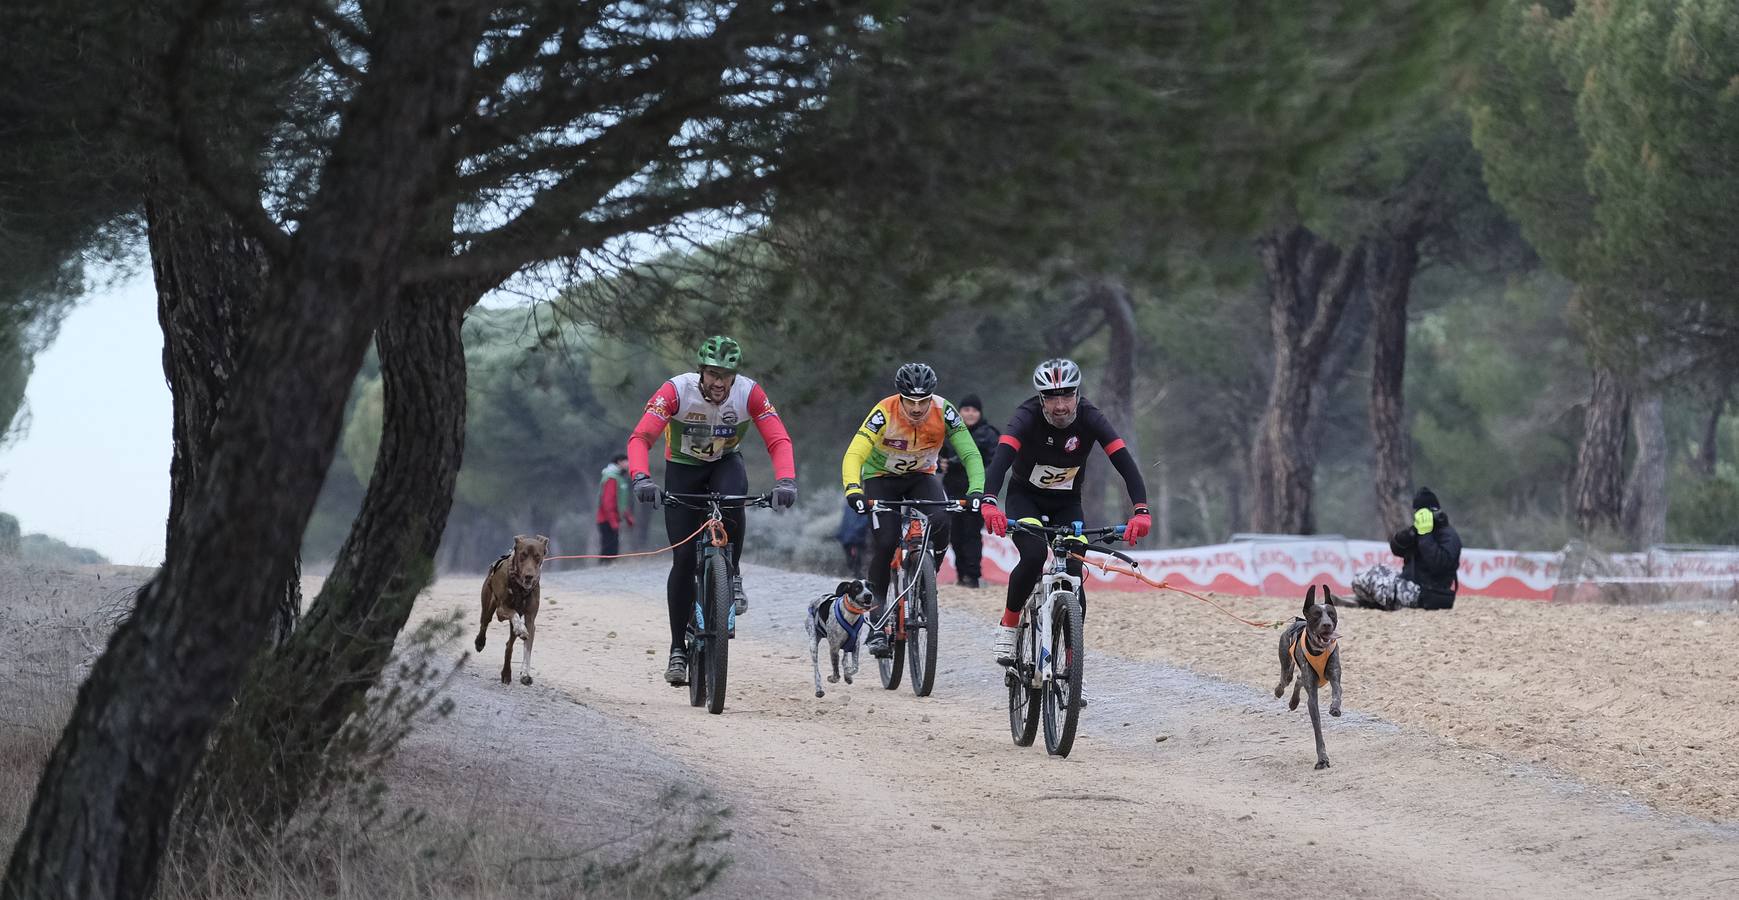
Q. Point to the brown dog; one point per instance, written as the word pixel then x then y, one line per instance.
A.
pixel 511 593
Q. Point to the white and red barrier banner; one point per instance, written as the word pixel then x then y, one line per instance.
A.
pixel 1284 568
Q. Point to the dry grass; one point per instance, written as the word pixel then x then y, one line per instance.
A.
pixel 54 621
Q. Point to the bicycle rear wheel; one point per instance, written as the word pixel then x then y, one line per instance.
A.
pixel 921 626
pixel 1023 700
pixel 718 645
pixel 1063 692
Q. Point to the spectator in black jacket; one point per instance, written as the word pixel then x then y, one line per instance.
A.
pixel 1430 553
pixel 967 529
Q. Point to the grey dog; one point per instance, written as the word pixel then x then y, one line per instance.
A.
pixel 1310 645
pixel 834 619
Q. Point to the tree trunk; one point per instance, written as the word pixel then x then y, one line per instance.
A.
pixel 210 275
pixel 1597 486
pixel 1645 492
pixel 293 706
pixel 1116 397
pixel 1389 281
pixel 1706 457
pixel 98 824
pixel 1309 284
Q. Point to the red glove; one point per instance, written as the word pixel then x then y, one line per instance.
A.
pixel 994 519
pixel 1139 525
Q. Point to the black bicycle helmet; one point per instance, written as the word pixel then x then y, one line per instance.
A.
pixel 915 381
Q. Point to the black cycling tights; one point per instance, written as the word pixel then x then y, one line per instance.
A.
pixel 1061 510
pixel 884 538
pixel 726 476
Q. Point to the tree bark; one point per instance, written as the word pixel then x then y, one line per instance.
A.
pixel 293 705
pixel 1707 449
pixel 1389 272
pixel 1117 389
pixel 99 821
pixel 1645 492
pixel 1309 284
pixel 210 276
pixel 1597 488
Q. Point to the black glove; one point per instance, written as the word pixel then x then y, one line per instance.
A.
pixel 785 493
pixel 645 489
pixel 974 499
pixel 854 496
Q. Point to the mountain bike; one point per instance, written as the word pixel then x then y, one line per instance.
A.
pixel 1049 653
pixel 715 609
pixel 909 617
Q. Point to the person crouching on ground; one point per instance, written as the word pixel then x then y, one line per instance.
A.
pixel 1430 553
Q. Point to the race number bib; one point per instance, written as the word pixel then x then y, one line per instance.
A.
pixel 907 463
pixel 1054 478
pixel 709 443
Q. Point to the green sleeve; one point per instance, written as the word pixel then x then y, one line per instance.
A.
pixel 961 440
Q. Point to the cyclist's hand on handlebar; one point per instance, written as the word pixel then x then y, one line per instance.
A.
pixel 974 499
pixel 854 496
pixel 645 489
pixel 1139 525
pixel 785 493
pixel 994 519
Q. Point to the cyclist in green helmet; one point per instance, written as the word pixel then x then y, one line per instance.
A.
pixel 702 416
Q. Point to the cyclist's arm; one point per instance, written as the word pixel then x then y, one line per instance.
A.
pixel 961 441
pixel 862 444
pixel 773 434
pixel 1007 447
pixel 659 409
pixel 1121 458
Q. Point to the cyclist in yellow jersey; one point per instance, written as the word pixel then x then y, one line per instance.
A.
pixel 893 457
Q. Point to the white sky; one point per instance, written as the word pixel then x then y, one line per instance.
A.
pixel 94 468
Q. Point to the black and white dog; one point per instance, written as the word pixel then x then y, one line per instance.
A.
pixel 834 619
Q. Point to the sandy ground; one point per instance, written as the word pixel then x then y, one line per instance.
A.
pixel 875 793
pixel 1638 699
pixel 1188 779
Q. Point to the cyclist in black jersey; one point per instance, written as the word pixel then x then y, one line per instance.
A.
pixel 1046 444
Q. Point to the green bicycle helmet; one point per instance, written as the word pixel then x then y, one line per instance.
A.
pixel 721 352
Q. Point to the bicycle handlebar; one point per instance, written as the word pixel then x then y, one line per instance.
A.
pixel 1067 531
pixel 697 501
pixel 955 505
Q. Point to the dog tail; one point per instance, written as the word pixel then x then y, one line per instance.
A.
pixel 809 618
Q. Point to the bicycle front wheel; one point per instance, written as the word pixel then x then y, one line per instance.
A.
pixel 718 645
pixel 921 626
pixel 1063 690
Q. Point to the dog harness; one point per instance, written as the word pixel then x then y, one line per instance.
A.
pixel 1318 661
pixel 850 628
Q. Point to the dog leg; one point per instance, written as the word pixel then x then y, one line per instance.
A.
pixel 1334 682
pixel 1285 673
pixel 833 659
pixel 507 662
pixel 525 673
pixel 1296 687
pixel 1316 726
pixel 483 629
pixel 850 666
pixel 815 663
pixel 519 625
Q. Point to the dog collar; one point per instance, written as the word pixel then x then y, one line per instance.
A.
pixel 850 607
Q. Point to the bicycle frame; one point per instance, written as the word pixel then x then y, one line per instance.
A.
pixel 910 518
pixel 1055 587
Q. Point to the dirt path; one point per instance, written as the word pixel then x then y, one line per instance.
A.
pixel 876 793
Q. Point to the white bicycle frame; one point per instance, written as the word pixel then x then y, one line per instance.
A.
pixel 1058 586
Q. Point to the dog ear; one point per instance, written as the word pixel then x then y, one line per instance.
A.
pixel 1310 598
pixel 844 590
pixel 545 540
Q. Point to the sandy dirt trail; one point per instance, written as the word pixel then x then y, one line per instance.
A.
pixel 876 793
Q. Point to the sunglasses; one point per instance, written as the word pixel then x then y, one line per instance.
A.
pixel 1054 395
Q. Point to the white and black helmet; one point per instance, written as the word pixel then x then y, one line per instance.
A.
pixel 1056 375
pixel 915 381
